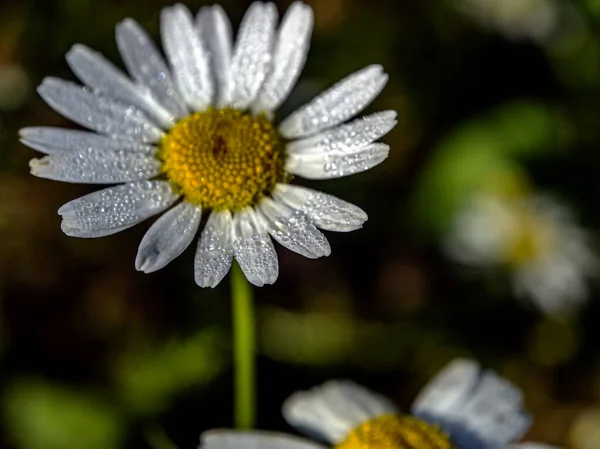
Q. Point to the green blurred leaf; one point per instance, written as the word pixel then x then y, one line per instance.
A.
pixel 149 379
pixel 320 338
pixel 39 415
pixel 523 128
pixel 312 338
pixel 473 153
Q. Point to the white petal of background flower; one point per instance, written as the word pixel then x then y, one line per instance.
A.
pixel 253 248
pixel 236 439
pixel 495 410
pixel 336 164
pixel 251 60
pixel 102 114
pixel 481 232
pixel 448 390
pixel 532 446
pixel 187 56
pixel 292 229
pixel 339 103
pixel 215 251
pixel 289 55
pixel 325 211
pixel 50 140
pixel 555 283
pixel 96 166
pixel 348 137
pixel 333 409
pixel 147 66
pixel 119 206
pixel 480 403
pixel 104 78
pixel 215 28
pixel 168 237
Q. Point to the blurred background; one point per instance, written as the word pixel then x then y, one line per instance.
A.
pixel 496 99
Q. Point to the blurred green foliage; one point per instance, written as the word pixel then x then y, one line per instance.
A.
pixel 40 415
pixel 148 379
pixel 492 143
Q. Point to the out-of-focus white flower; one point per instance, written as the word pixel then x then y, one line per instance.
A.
pixel 533 236
pixel 463 407
pixel 199 127
pixel 515 19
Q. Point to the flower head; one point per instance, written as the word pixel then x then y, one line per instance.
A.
pixel 535 238
pixel 515 19
pixel 463 407
pixel 196 134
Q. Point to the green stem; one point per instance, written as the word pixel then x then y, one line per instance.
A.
pixel 243 349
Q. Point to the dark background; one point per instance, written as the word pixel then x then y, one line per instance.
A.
pixel 94 354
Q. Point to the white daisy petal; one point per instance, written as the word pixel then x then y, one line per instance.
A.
pixel 325 211
pixel 49 140
pixel 449 389
pixel 215 251
pixel 101 75
pixel 102 114
pixel 473 406
pixel 96 166
pixel 348 137
pixel 556 283
pixel 330 411
pixel 147 66
pixel 293 230
pixel 495 410
pixel 215 28
pixel 532 446
pixel 337 104
pixel 336 164
pixel 168 237
pixel 253 248
pixel 238 439
pixel 251 60
pixel 92 233
pixel 187 56
pixel 117 207
pixel 289 56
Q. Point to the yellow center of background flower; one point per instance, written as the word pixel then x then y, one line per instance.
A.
pixel 532 239
pixel 396 432
pixel 223 158
pixel 532 236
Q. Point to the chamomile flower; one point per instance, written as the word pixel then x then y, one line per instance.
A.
pixel 195 135
pixel 463 407
pixel 535 237
pixel 535 20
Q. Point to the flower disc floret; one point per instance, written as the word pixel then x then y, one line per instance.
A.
pixel 223 159
pixel 392 431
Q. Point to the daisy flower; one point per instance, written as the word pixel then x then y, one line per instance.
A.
pixel 463 407
pixel 536 20
pixel 536 238
pixel 195 134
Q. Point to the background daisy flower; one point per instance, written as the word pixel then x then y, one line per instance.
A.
pixel 463 407
pixel 199 128
pixel 536 238
pixel 515 19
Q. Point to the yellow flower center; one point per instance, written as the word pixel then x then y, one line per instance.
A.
pixel 396 432
pixel 223 158
pixel 532 238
